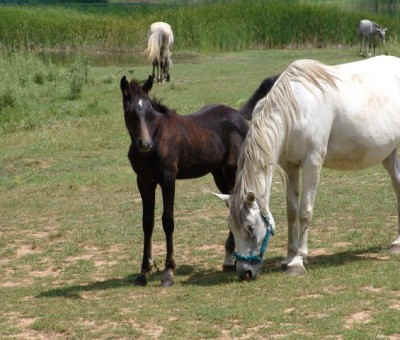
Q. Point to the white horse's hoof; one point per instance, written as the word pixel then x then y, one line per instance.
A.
pixel 168 278
pixel 295 270
pixel 395 249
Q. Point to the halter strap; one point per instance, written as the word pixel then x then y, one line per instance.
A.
pixel 256 259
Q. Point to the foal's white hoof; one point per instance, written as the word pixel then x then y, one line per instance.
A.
pixel 295 270
pixel 395 249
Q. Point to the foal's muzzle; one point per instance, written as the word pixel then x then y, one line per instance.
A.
pixel 144 146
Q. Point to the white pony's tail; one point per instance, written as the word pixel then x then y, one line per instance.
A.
pixel 153 47
pixel 158 45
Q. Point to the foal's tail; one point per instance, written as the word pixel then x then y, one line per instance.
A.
pixel 247 109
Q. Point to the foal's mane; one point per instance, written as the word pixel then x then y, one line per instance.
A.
pixel 273 117
pixel 159 107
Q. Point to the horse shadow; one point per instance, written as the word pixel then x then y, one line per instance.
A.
pixel 273 265
pixel 74 292
pixel 213 277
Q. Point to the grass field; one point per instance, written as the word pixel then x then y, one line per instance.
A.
pixel 71 239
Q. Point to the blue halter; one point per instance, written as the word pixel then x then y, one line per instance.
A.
pixel 256 259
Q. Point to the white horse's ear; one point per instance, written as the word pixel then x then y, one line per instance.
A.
pixel 224 197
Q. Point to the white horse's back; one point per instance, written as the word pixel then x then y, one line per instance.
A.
pixel 357 121
pixel 163 26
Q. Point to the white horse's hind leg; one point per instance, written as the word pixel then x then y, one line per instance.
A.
pixel 311 175
pixel 392 165
pixel 292 208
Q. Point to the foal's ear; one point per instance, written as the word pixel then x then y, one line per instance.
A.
pixel 148 84
pixel 225 198
pixel 124 84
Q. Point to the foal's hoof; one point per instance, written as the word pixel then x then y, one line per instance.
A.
pixel 228 268
pixel 295 270
pixel 141 280
pixel 395 249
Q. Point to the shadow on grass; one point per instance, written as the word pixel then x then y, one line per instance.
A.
pixel 212 277
pixel 272 264
pixel 73 292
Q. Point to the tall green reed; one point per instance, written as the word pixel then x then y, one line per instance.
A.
pixel 221 25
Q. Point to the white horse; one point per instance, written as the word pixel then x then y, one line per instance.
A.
pixel 370 34
pixel 343 117
pixel 159 44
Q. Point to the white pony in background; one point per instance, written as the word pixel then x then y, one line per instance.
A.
pixel 344 117
pixel 370 34
pixel 160 42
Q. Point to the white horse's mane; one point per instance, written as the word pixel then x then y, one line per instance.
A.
pixel 259 150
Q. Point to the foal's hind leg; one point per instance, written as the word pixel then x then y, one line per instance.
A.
pixel 168 194
pixel 225 186
pixel 392 165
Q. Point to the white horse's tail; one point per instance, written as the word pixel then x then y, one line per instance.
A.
pixel 158 46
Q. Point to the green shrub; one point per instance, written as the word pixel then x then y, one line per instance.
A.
pixel 7 99
pixel 38 78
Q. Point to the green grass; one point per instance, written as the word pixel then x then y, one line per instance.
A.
pixel 71 236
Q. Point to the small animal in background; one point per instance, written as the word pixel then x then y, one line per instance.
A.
pixel 370 33
pixel 159 44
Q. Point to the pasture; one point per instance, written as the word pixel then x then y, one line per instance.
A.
pixel 71 236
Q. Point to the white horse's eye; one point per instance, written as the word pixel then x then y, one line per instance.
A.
pixel 250 230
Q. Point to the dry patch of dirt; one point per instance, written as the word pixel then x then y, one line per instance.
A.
pixel 25 249
pixel 149 331
pixel 358 318
pixel 219 249
pixel 395 305
pixel 374 256
pixel 372 289
pixel 342 244
pixel 320 252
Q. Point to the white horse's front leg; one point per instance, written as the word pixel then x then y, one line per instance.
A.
pixel 311 175
pixel 392 165
pixel 292 208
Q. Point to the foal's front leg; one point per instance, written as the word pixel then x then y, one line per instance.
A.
pixel 147 188
pixel 168 194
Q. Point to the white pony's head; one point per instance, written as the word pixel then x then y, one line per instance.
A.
pixel 251 229
pixel 382 33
